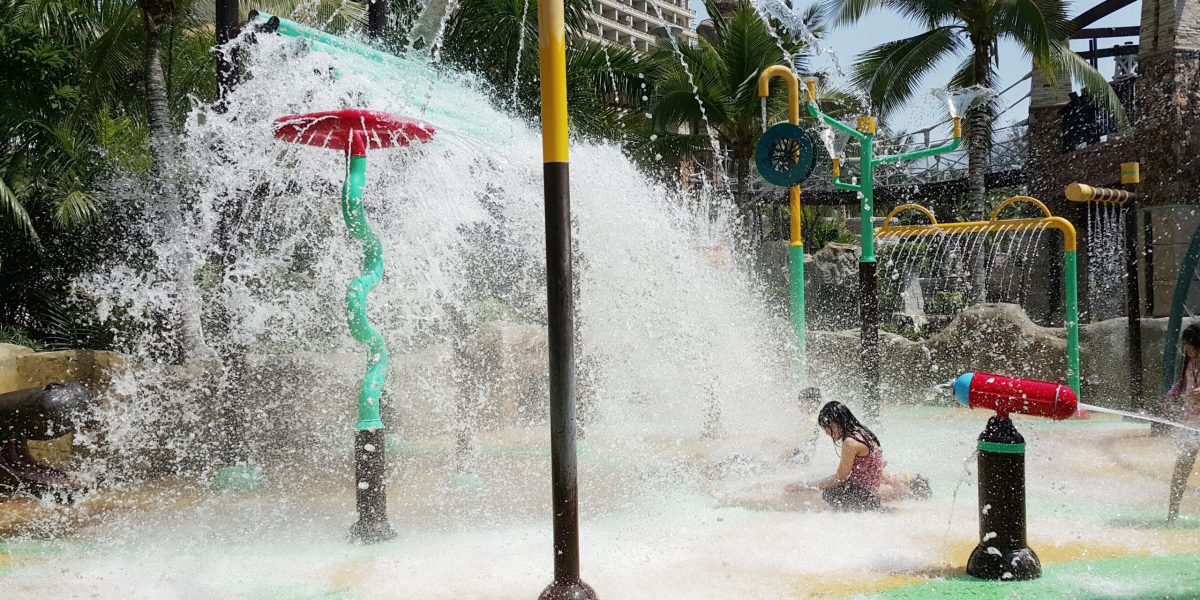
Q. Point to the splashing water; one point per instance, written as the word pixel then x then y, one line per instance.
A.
pixel 661 327
pixel 835 140
pixel 521 54
pixel 1138 416
pixel 461 226
pixel 958 101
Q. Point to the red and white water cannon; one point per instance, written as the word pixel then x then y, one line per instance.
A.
pixel 1007 395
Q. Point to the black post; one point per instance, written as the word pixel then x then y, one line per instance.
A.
pixel 377 16
pixel 1002 553
pixel 227 24
pixel 370 494
pixel 1148 253
pixel 1133 308
pixel 560 307
pixel 868 311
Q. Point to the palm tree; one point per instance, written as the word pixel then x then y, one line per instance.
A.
pixel 970 30
pixel 498 40
pixel 711 89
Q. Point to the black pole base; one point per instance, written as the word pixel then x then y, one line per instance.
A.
pixel 370 495
pixel 1017 565
pixel 371 532
pixel 569 590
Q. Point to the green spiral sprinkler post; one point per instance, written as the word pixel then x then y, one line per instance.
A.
pixel 352 132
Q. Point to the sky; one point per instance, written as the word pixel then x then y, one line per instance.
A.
pixel 885 26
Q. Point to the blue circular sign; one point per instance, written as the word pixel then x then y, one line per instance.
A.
pixel 784 155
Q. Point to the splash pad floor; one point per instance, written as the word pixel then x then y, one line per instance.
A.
pixel 651 528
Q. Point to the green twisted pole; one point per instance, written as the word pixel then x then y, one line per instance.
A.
pixel 356 294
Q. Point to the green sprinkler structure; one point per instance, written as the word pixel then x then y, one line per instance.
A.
pixel 352 132
pixel 785 157
pixel 868 301
pixel 997 225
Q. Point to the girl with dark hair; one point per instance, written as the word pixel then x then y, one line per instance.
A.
pixel 855 485
pixel 1183 405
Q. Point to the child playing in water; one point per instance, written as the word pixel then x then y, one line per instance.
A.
pixel 1184 405
pixel 855 485
pixel 810 402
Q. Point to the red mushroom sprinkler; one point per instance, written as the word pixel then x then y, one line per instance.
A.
pixel 353 132
pixel 1003 553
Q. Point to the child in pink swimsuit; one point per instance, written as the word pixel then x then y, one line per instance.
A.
pixel 855 485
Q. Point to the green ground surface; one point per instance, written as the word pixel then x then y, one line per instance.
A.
pixel 1142 577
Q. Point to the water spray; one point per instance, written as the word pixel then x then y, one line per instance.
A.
pixel 1002 552
pixel 352 132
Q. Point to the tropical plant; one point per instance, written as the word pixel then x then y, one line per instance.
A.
pixel 498 41
pixel 705 100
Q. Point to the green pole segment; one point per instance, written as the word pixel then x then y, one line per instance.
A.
pixel 867 204
pixel 868 301
pixel 922 153
pixel 356 295
pixel 796 285
pixel 1070 267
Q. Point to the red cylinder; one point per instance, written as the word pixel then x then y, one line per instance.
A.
pixel 1007 395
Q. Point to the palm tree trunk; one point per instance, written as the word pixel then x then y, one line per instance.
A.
pixel 156 18
pixel 977 148
pixel 977 191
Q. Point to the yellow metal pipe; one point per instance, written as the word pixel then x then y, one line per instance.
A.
pixel 957 130
pixel 1081 192
pixel 837 167
pixel 994 225
pixel 552 53
pixel 794 210
pixel 793 88
pixel 867 125
pixel 905 207
pixel 1131 173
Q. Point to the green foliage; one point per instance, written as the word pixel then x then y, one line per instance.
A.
pixel 17 336
pixel 819 230
pixel 945 303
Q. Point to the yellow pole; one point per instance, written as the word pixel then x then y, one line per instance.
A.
pixel 796 248
pixel 552 46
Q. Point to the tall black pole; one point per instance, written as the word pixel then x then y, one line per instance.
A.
pixel 868 309
pixel 1148 270
pixel 227 24
pixel 552 45
pixel 377 17
pixel 1130 178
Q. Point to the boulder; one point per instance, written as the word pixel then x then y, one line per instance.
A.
pixel 997 338
pixel 831 292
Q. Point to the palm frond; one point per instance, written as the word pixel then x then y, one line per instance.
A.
pixel 17 216
pixel 891 72
pixel 1034 24
pixel 1064 60
pixel 78 208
